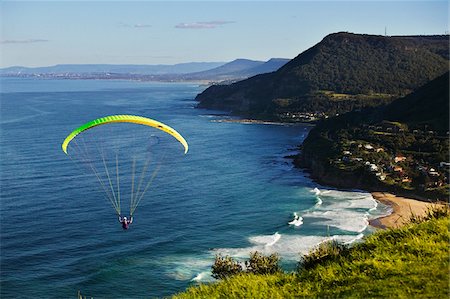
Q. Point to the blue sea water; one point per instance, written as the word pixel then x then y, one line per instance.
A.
pixel 233 193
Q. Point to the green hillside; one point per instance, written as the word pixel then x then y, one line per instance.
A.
pixel 427 108
pixel 343 72
pixel 411 262
pixel 402 147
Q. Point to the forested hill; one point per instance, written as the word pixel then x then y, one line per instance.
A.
pixel 426 108
pixel 401 147
pixel 343 72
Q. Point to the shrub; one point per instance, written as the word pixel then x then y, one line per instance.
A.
pixel 224 267
pixel 324 252
pixel 261 264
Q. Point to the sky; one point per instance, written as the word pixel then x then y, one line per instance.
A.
pixel 44 33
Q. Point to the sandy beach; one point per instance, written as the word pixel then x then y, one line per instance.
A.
pixel 402 207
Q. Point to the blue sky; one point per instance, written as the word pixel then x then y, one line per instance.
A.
pixel 38 33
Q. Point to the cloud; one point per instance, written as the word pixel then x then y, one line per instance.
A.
pixel 142 26
pixel 23 41
pixel 202 25
pixel 125 25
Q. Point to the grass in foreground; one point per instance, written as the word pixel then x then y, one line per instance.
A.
pixel 410 262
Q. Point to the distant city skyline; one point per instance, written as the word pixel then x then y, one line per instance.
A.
pixel 45 33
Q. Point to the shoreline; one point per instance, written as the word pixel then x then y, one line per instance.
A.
pixel 259 122
pixel 403 205
pixel 402 209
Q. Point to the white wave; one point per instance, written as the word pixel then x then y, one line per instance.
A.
pixel 316 191
pixel 187 267
pixel 276 237
pixel 338 194
pixel 266 240
pixel 319 202
pixel 297 221
pixel 289 247
pixel 362 203
pixel 352 221
pixel 343 210
pixel 204 276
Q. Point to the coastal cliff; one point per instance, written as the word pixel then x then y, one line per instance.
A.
pixel 343 72
pixel 325 174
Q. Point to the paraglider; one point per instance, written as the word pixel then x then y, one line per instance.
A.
pixel 123 157
pixel 125 222
pixel 125 118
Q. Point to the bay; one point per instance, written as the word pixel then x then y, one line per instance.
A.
pixel 234 192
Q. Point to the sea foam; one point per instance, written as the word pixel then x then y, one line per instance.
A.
pixel 345 212
pixel 297 221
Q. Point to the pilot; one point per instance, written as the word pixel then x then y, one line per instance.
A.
pixel 125 222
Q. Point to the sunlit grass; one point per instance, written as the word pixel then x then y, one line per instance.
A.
pixel 410 262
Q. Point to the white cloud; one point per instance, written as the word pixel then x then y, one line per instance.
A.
pixel 202 25
pixel 142 26
pixel 139 25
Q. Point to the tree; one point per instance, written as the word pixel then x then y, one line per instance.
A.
pixel 224 267
pixel 258 263
pixel 261 264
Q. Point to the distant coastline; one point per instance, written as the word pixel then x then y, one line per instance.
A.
pixel 257 122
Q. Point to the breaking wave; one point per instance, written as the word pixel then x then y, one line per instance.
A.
pixel 342 216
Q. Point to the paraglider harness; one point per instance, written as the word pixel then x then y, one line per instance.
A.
pixel 125 222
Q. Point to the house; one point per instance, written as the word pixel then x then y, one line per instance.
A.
pixel 368 147
pixel 373 167
pixel 399 159
pixel 406 180
pixel 433 172
pixel 380 149
pixel 398 169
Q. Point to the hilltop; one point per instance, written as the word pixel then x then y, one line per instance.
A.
pixel 341 73
pixel 401 147
pixel 238 69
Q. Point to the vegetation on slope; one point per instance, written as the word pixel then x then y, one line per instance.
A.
pixel 402 147
pixel 343 72
pixel 410 262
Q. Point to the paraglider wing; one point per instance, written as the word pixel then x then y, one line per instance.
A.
pixel 129 119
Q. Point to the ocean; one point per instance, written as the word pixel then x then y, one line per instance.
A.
pixel 234 192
